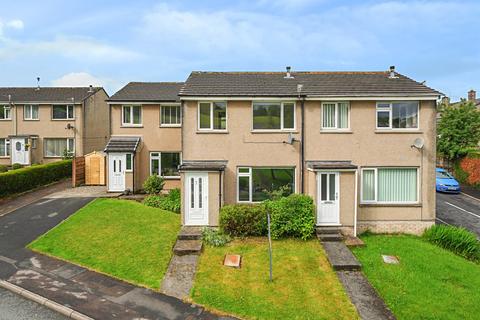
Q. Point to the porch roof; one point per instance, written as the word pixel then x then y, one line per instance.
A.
pixel 330 165
pixel 122 144
pixel 203 165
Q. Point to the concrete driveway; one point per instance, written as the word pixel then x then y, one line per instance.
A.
pixel 459 210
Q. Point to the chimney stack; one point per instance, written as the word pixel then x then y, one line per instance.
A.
pixel 392 73
pixel 472 95
pixel 90 89
pixel 288 74
pixel 38 84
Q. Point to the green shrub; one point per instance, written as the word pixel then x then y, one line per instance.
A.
pixel 154 184
pixel 458 240
pixel 215 238
pixel 28 178
pixel 242 220
pixel 16 166
pixel 292 216
pixel 169 202
pixel 3 168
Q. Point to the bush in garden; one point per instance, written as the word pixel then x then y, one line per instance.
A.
pixel 242 220
pixel 16 166
pixel 24 179
pixel 292 216
pixel 154 184
pixel 169 202
pixel 3 168
pixel 215 238
pixel 458 240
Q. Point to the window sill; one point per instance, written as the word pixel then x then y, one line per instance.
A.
pixel 213 131
pixel 63 119
pixel 52 157
pixel 31 119
pixel 171 178
pixel 131 126
pixel 336 131
pixel 273 131
pixel 170 126
pixel 4 157
pixel 398 131
pixel 5 119
pixel 416 205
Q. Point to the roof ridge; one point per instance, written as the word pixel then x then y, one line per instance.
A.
pixel 292 72
pixel 155 82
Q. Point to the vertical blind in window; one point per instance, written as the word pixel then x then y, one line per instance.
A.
pixel 329 115
pixel 368 185
pixel 342 115
pixel 335 115
pixel 397 185
pixel 170 115
pixel 57 147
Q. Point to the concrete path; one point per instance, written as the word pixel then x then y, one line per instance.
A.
pixel 459 210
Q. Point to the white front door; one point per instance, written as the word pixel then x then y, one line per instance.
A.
pixel 20 153
pixel 116 171
pixel 328 208
pixel 196 198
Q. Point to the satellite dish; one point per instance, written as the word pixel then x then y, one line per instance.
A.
pixel 418 143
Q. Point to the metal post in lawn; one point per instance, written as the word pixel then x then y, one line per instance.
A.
pixel 269 244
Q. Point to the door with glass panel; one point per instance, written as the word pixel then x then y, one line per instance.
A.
pixel 20 153
pixel 328 207
pixel 196 199
pixel 116 171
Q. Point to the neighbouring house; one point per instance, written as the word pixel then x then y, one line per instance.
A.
pixel 146 135
pixel 362 144
pixel 43 124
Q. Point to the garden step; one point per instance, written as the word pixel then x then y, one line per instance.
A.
pixel 184 247
pixel 340 257
pixel 329 237
pixel 190 233
pixel 327 230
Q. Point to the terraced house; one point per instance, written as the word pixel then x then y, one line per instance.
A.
pixel 362 144
pixel 40 125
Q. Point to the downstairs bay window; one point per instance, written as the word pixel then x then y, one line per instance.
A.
pixel 390 185
pixel 256 184
pixel 165 164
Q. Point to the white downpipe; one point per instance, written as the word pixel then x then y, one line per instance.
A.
pixel 356 205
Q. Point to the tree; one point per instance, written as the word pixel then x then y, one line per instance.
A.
pixel 458 130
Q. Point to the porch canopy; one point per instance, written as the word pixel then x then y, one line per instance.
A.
pixel 333 165
pixel 203 165
pixel 122 144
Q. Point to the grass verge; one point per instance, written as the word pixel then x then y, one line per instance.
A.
pixel 304 286
pixel 429 283
pixel 121 238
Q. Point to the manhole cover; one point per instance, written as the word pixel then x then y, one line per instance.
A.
pixel 390 259
pixel 232 260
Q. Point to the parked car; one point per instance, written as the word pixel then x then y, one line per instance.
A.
pixel 445 182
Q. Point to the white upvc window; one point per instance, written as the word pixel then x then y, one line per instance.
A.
pixel 63 112
pixel 129 162
pixel 131 116
pixel 30 112
pixel 58 147
pixel 335 116
pixel 269 116
pixel 212 116
pixel 165 164
pixel 5 112
pixel 390 185
pixel 4 147
pixel 399 115
pixel 170 115
pixel 254 184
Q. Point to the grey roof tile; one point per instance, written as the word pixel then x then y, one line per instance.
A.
pixel 214 165
pixel 46 94
pixel 314 84
pixel 122 144
pixel 148 91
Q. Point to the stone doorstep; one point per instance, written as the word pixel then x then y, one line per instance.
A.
pixel 340 257
pixel 327 229
pixel 187 247
pixel 351 241
pixel 190 233
pixel 328 237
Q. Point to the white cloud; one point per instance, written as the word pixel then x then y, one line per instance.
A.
pixel 14 24
pixel 84 79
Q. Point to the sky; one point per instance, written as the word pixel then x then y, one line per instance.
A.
pixel 110 43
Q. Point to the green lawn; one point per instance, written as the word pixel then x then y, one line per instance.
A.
pixel 429 282
pixel 304 286
pixel 118 237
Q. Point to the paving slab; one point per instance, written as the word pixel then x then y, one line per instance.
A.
pixel 340 257
pixel 178 280
pixel 187 247
pixel 190 233
pixel 365 298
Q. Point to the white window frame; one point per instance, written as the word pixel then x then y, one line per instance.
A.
pixel 69 116
pixel 159 157
pixel 335 127
pixel 250 180
pixel 375 169
pixel 9 109
pixel 390 109
pixel 69 141
pixel 282 116
pixel 30 107
pixel 170 125
pixel 131 124
pixel 7 148
pixel 211 116
pixel 131 162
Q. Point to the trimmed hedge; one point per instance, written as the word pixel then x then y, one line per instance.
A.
pixel 28 178
pixel 458 240
pixel 242 220
pixel 169 202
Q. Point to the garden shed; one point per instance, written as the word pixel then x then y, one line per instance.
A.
pixel 95 168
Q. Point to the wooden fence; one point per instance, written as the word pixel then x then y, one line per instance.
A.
pixel 78 171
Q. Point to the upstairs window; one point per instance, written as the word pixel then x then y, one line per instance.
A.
pixel 273 116
pixel 30 112
pixel 4 147
pixel 170 116
pixel 335 115
pixel 397 115
pixel 62 112
pixel 5 113
pixel 131 116
pixel 212 116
